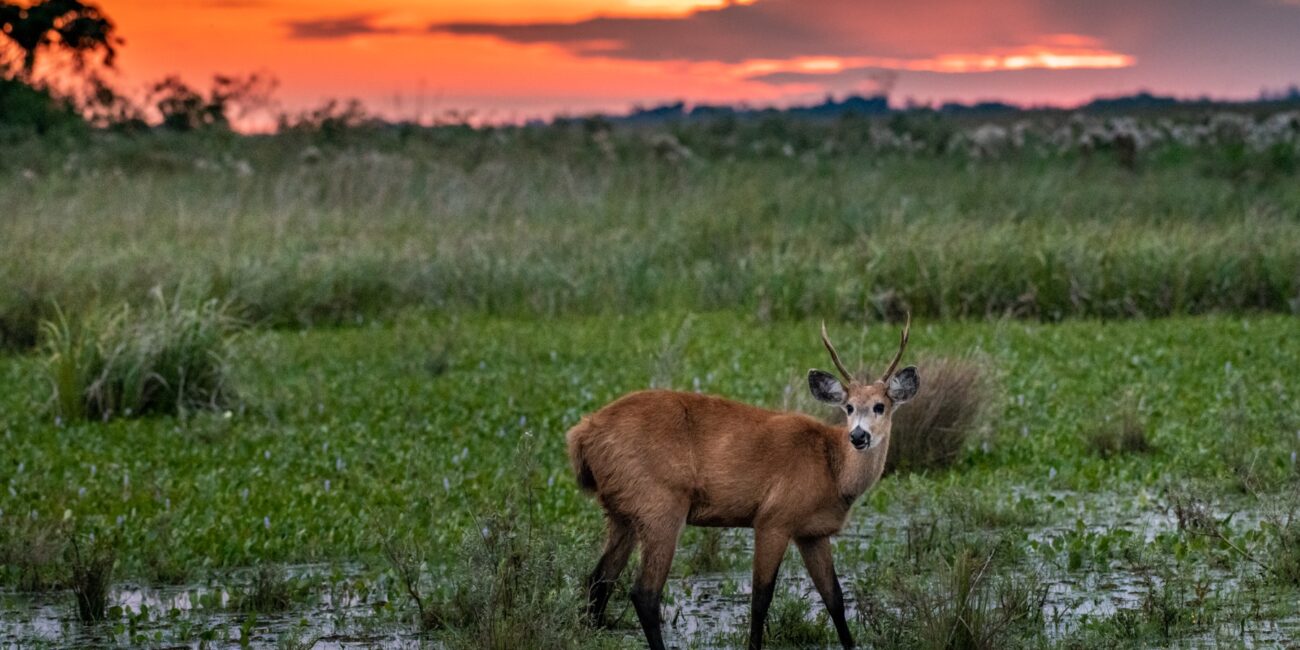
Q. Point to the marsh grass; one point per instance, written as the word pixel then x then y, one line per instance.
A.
pixel 168 358
pixel 513 584
pixel 269 591
pixel 792 622
pixel 1123 430
pixel 963 605
pixel 92 576
pixel 531 223
pixel 930 431
pixel 32 554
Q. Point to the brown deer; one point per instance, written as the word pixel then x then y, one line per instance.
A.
pixel 658 460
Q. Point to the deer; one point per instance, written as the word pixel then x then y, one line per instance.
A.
pixel 658 460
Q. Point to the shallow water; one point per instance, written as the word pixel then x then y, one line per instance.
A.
pixel 699 609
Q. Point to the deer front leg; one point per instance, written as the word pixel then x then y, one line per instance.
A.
pixel 769 549
pixel 816 552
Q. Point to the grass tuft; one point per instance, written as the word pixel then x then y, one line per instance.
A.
pixel 930 431
pixel 268 592
pixel 964 608
pixel 91 577
pixel 1123 432
pixel 793 624
pixel 165 359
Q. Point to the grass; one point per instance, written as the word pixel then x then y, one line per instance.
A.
pixel 499 224
pixel 1121 430
pixel 92 576
pixel 168 358
pixel 371 437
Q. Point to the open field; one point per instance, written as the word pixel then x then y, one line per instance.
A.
pixel 411 432
pixel 551 222
pixel 312 388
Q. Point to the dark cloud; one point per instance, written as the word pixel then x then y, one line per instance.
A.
pixel 337 28
pixel 784 29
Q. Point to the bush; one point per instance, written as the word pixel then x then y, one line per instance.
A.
pixel 27 111
pixel 166 359
pixel 931 430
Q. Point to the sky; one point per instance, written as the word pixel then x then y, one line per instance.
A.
pixel 510 60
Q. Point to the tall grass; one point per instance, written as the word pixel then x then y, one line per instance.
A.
pixel 164 358
pixel 542 223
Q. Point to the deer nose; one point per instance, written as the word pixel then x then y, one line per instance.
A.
pixel 859 437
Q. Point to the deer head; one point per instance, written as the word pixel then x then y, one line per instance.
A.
pixel 869 406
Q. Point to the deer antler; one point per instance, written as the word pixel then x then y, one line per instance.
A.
pixel 826 341
pixel 902 345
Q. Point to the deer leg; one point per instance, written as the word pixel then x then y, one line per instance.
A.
pixel 600 584
pixel 816 552
pixel 658 543
pixel 769 549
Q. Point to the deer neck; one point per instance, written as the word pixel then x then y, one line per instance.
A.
pixel 861 469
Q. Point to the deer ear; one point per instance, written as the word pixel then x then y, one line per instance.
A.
pixel 903 385
pixel 826 388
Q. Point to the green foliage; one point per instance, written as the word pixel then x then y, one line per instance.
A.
pixel 26 111
pixel 168 358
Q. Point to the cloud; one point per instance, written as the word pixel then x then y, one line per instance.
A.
pixel 786 29
pixel 337 28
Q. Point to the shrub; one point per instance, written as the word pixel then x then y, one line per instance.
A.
pixel 166 359
pixel 931 430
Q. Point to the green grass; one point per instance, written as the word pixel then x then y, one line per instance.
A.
pixel 352 433
pixel 497 223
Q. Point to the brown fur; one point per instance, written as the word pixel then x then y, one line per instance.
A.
pixel 652 453
pixel 658 460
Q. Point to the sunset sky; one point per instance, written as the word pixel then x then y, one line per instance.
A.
pixel 508 60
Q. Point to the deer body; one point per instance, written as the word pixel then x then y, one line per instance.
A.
pixel 702 451
pixel 658 460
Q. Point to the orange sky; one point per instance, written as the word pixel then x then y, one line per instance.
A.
pixel 508 60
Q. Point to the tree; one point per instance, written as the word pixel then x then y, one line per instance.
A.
pixel 79 29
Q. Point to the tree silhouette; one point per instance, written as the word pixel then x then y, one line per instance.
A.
pixel 77 28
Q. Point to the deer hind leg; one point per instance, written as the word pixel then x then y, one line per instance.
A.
pixel 600 584
pixel 816 552
pixel 769 550
pixel 658 543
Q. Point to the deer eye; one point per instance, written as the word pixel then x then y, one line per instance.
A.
pixel 848 408
pixel 879 408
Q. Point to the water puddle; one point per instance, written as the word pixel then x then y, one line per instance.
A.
pixel 338 611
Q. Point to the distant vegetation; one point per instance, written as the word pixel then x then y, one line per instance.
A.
pixel 339 218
